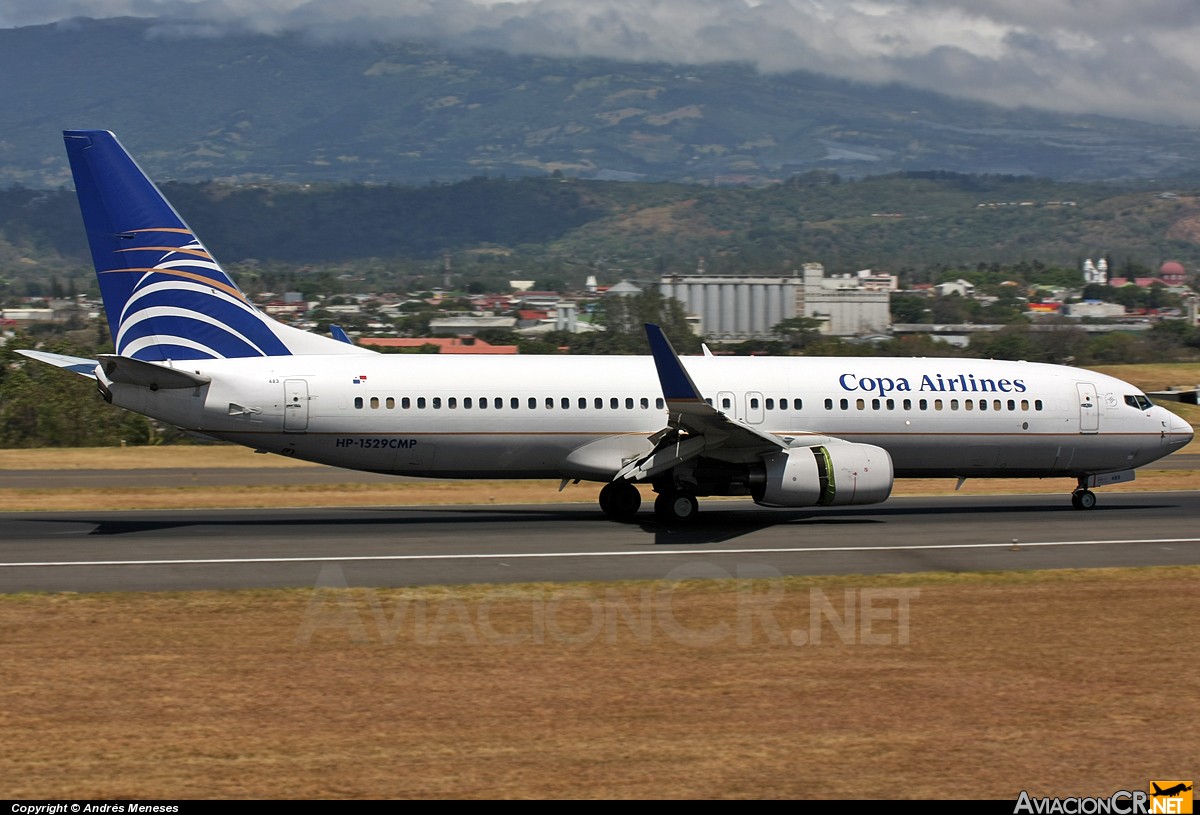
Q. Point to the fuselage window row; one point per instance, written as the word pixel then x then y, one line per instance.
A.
pixel 938 404
pixel 497 403
pixel 629 403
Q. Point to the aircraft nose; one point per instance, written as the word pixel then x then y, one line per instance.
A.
pixel 1181 431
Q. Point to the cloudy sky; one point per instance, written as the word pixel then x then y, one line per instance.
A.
pixel 1116 57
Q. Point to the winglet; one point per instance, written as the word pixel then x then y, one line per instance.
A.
pixel 677 386
pixel 340 334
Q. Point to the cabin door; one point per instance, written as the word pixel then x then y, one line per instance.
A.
pixel 1089 408
pixel 754 407
pixel 727 404
pixel 295 406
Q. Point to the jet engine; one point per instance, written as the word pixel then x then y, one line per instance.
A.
pixel 825 475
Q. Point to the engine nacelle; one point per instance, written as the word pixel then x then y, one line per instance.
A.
pixel 826 475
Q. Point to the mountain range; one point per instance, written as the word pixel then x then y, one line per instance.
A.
pixel 192 105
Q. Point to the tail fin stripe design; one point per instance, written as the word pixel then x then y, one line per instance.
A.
pixel 165 294
pixel 182 250
pixel 176 348
pixel 160 320
pixel 207 281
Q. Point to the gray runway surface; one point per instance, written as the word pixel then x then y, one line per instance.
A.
pixel 172 550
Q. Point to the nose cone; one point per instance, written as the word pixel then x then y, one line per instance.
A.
pixel 1181 431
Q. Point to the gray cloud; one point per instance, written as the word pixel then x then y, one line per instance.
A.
pixel 1083 56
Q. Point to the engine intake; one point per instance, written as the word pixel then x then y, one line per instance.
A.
pixel 825 475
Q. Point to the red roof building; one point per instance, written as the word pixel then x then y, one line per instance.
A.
pixel 445 345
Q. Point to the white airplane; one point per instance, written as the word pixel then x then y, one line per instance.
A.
pixel 192 351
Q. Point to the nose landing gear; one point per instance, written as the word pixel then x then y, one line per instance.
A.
pixel 1082 497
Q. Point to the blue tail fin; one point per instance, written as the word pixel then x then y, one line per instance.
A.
pixel 165 295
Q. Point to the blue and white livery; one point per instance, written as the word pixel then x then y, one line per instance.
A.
pixel 192 351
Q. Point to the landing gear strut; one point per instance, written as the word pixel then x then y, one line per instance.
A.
pixel 620 500
pixel 1082 497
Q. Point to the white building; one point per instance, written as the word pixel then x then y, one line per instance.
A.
pixel 732 307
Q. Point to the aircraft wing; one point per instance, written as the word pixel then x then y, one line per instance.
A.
pixel 694 427
pixel 79 365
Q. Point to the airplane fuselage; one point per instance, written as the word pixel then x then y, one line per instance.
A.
pixel 529 417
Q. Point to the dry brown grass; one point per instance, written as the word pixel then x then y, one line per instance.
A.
pixel 1059 683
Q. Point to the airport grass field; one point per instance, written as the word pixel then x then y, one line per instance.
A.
pixel 1061 683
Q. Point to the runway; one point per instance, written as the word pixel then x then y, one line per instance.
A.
pixel 214 549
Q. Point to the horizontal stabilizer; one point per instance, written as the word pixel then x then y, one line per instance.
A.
pixel 130 371
pixel 79 365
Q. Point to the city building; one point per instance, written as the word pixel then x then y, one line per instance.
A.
pixel 742 307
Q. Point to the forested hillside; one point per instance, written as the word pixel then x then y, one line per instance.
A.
pixel 560 230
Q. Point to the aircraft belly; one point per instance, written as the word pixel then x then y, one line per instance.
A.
pixel 984 456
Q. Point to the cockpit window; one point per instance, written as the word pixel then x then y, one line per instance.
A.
pixel 1140 402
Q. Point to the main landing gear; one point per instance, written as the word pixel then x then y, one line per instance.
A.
pixel 620 500
pixel 1082 497
pixel 675 507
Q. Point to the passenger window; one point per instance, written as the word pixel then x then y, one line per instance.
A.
pixel 452 402
pixel 613 403
pixel 499 403
pixel 907 404
pixel 829 404
pixel 770 403
pixel 861 404
pixel 1037 404
pixel 390 402
pixel 566 403
pixel 598 403
pixel 753 403
pixel 923 404
pixel 891 404
pixel 1012 405
pixel 549 403
pixel 954 404
pixel 466 402
pixel 995 404
pixel 645 403
pixel 725 405
pixel 358 402
pixel 937 404
pixel 406 403
pixel 874 404
pixel 709 402
pixel 436 403
pixel 532 403
pixel 969 404
pixel 629 403
pixel 844 404
pixel 374 402
pixel 583 403
pixel 983 404
pixel 420 402
pixel 514 403
pixel 483 403
pixel 1024 404
pixel 660 404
